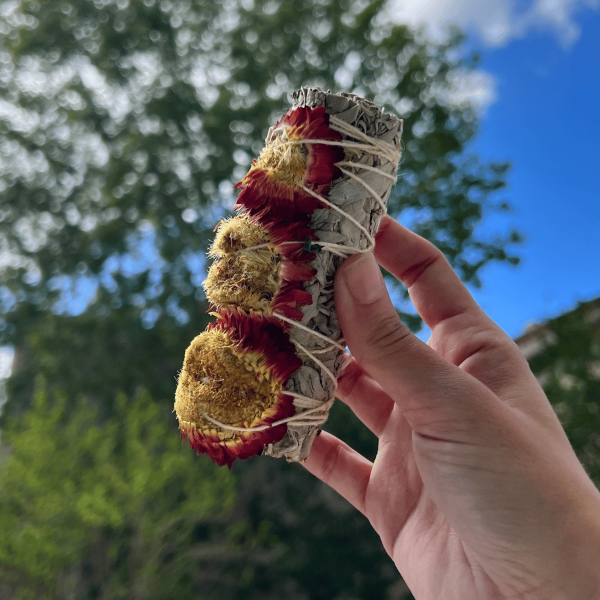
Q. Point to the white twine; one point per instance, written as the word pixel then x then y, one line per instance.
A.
pixel 371 149
pixel 317 361
pixel 317 420
pixel 337 249
pixel 384 150
pixel 347 163
pixel 311 331
pixel 304 401
pixel 323 350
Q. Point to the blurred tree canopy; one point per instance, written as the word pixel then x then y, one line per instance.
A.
pixel 123 126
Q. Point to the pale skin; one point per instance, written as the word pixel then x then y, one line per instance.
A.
pixel 476 492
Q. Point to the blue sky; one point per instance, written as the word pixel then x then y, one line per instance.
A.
pixel 546 122
pixel 540 112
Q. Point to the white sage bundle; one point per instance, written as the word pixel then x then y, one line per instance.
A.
pixel 262 378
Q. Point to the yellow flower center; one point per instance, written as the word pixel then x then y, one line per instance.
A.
pixel 229 385
pixel 247 279
pixel 284 162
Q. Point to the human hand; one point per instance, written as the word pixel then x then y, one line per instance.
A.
pixel 476 492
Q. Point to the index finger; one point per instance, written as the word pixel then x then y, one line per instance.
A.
pixel 436 291
pixel 461 332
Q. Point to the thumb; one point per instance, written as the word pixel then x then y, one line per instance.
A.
pixel 371 323
pixel 436 397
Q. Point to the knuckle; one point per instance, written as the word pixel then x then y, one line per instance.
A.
pixel 387 335
pixel 491 347
pixel 411 275
pixel 349 379
pixel 505 348
pixel 330 462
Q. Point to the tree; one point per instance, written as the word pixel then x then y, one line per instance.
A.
pixel 126 123
pixel 124 126
pixel 111 509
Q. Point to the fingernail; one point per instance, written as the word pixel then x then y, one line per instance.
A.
pixel 363 279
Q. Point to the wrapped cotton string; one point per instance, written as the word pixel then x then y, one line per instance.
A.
pixel 347 163
pixel 315 333
pixel 296 417
pixel 304 401
pixel 337 249
pixel 382 150
pixel 323 350
pixel 374 149
pixel 317 362
pixel 346 129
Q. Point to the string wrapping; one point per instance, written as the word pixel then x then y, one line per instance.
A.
pixel 262 378
pixel 371 140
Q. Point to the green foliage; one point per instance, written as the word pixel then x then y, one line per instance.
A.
pixel 102 506
pixel 126 124
pixel 98 356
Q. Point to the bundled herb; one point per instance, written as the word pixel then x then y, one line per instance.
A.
pixel 262 378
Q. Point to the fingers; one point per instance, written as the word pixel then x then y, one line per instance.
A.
pixel 340 467
pixel 364 396
pixel 435 289
pixel 461 332
pixel 436 398
pixel 385 494
pixel 459 327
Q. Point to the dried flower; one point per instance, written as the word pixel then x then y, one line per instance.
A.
pixel 259 267
pixel 273 186
pixel 261 378
pixel 234 373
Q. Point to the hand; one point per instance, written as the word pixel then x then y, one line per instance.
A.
pixel 476 492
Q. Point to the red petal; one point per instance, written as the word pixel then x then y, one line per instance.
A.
pixel 321 169
pixel 291 271
pixel 261 195
pixel 288 301
pixel 264 335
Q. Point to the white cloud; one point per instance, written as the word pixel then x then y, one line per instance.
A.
pixel 495 21
pixel 474 88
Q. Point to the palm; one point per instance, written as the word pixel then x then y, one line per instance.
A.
pixel 416 532
pixel 412 528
